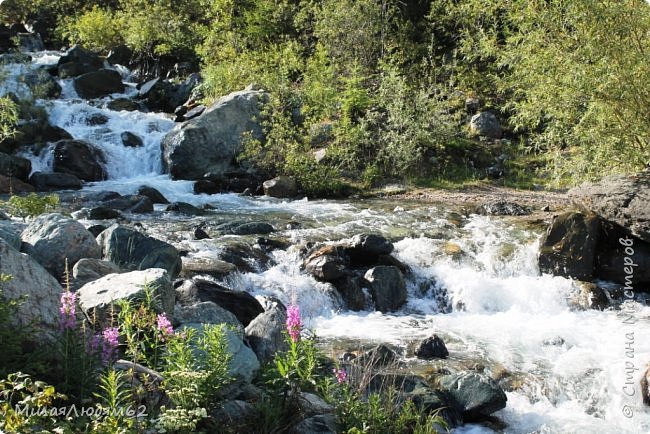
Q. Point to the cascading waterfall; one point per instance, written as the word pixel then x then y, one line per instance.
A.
pixel 488 301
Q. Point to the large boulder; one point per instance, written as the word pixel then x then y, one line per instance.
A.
pixel 42 84
pixel 326 264
pixel 98 83
pixel 89 269
pixel 280 186
pixel 622 199
pixel 77 61
pixel 241 303
pixel 387 287
pixel 10 233
pixel 18 167
pixel 206 312
pixel 212 141
pixel 133 250
pixel 432 347
pixel 51 239
pixel 98 298
pixel 11 185
pixel 154 195
pixel 80 159
pixel 366 249
pixel 478 395
pixel 265 333
pixel 569 246
pixel 41 307
pixel 54 181
pixel 486 124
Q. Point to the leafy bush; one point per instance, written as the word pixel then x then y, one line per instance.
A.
pixel 97 29
pixel 8 118
pixel 30 205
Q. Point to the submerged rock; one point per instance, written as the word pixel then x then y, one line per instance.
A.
pixel 477 395
pixel 154 195
pixel 387 287
pixel 432 347
pixel 98 83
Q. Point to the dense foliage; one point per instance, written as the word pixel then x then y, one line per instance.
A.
pixel 381 85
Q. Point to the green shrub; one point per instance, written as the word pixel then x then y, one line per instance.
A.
pixel 30 205
pixel 8 118
pixel 97 29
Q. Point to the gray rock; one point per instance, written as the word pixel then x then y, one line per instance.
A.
pixel 281 187
pixel 245 307
pixel 120 104
pixel 378 357
pixel 133 250
pixel 206 312
pixel 132 203
pixel 51 239
pixel 42 84
pixel 97 298
pixel 212 141
pixel 613 264
pixel 98 83
pixel 502 208
pixel 193 265
pixel 478 395
pixel 312 404
pixel 80 159
pixel 238 415
pixel 569 245
pixel 326 264
pixel 89 269
pixel 351 289
pixel 154 195
pixel 265 332
pixel 486 124
pixel 10 233
pixel 247 228
pixel 11 185
pixel 432 347
pixel 369 244
pixel 41 308
pixel 18 167
pixel 184 208
pixel 54 181
pixel 319 424
pixel 131 140
pixel 387 287
pixel 622 199
pixel 589 296
pixel 103 213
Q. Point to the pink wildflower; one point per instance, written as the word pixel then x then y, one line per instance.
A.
pixel 164 325
pixel 341 375
pixel 110 343
pixel 67 310
pixel 293 322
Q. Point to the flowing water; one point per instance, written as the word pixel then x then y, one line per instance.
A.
pixel 569 370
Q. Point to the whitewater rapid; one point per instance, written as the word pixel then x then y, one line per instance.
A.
pixel 489 302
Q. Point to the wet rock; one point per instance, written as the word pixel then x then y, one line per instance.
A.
pixel 205 186
pixel 618 265
pixel 378 357
pixel 99 196
pixel 589 296
pixel 98 298
pixel 387 287
pixel 432 347
pixel 96 119
pixel 645 387
pixel 265 333
pixel 248 228
pixel 502 208
pixel 200 234
pixel 122 104
pixel 194 112
pixel 98 83
pixel 41 307
pixel 79 158
pixel 622 199
pixel 207 312
pixel 14 185
pixel 281 187
pixel 154 195
pixel 245 307
pixel 77 61
pixel 54 181
pixel 89 269
pixel 183 208
pixel 132 203
pixel 131 140
pixel 51 239
pixel 478 395
pixel 312 404
pixel 193 265
pixel 569 245
pixel 96 229
pixel 351 290
pixel 42 84
pixel 486 124
pixel 103 213
pixel 120 55
pixel 13 166
pixel 212 141
pixel 246 257
pixel 326 264
pixel 132 250
pixel 365 249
